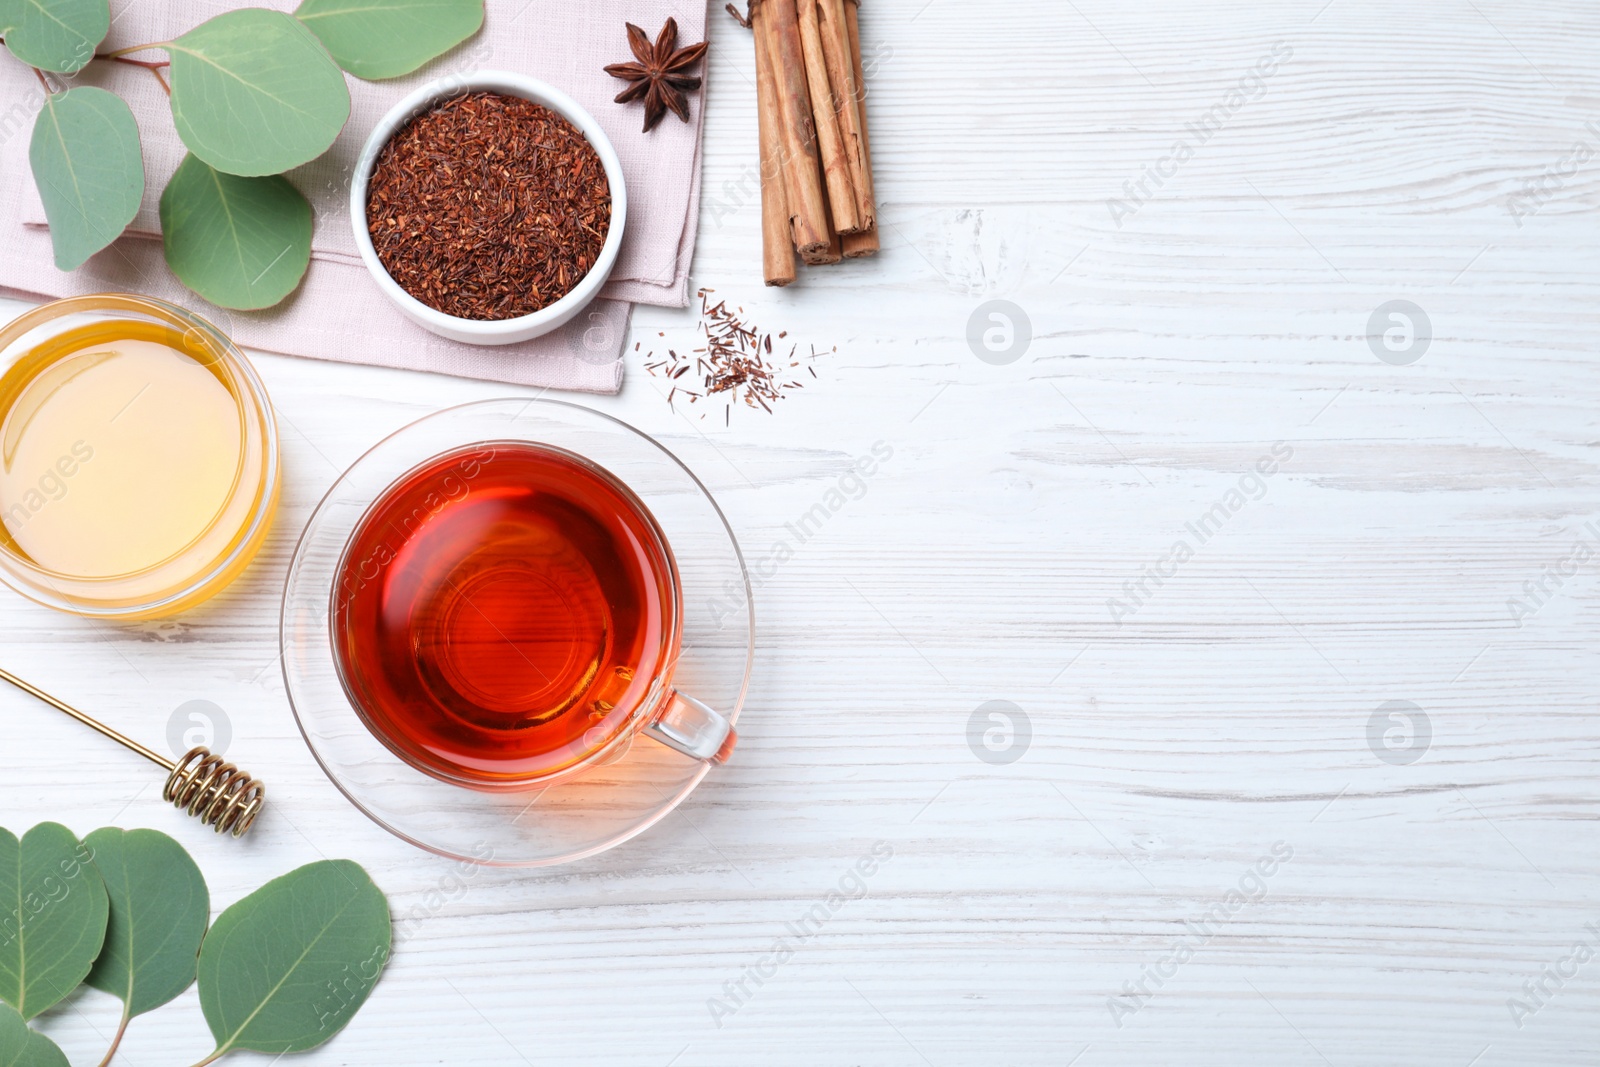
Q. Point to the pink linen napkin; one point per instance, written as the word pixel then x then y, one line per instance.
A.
pixel 338 312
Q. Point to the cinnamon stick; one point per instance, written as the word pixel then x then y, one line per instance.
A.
pixel 830 143
pixel 778 23
pixel 846 101
pixel 864 243
pixel 777 234
pixel 828 256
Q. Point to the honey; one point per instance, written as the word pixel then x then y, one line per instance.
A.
pixel 117 422
pixel 136 463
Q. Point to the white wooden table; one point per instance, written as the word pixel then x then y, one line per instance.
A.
pixel 1052 909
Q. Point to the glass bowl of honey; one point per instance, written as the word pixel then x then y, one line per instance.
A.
pixel 139 461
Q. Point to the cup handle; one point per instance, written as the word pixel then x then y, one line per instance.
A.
pixel 694 729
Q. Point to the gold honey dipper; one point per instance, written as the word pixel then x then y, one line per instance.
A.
pixel 219 794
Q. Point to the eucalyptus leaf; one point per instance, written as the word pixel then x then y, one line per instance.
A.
pixel 288 966
pixel 254 92
pixel 89 171
pixel 377 39
pixel 52 933
pixel 58 35
pixel 24 1047
pixel 239 242
pixel 159 908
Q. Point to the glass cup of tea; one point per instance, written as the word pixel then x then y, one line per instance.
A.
pixel 499 599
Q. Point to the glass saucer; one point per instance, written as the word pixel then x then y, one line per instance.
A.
pixel 607 804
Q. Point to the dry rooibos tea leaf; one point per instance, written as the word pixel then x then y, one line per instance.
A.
pixel 488 206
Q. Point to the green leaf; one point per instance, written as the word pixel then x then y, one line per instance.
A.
pixel 239 242
pixel 159 908
pixel 53 919
pixel 254 92
pixel 376 39
pixel 87 165
pixel 288 966
pixel 58 35
pixel 22 1047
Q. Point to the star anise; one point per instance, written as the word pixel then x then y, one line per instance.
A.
pixel 661 75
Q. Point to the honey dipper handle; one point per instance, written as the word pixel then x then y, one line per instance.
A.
pixel 67 709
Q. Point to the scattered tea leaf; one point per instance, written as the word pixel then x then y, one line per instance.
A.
pixel 24 1047
pixel 288 966
pixel 239 242
pixel 254 92
pixel 58 35
pixel 737 361
pixel 159 908
pixel 51 935
pixel 89 171
pixel 377 39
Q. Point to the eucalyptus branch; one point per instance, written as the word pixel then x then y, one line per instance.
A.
pixel 120 52
pixel 153 66
pixel 143 888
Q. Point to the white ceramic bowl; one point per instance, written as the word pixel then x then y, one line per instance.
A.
pixel 498 331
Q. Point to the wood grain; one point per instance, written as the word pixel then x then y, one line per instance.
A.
pixel 1169 753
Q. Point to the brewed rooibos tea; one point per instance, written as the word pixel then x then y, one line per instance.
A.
pixel 503 611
